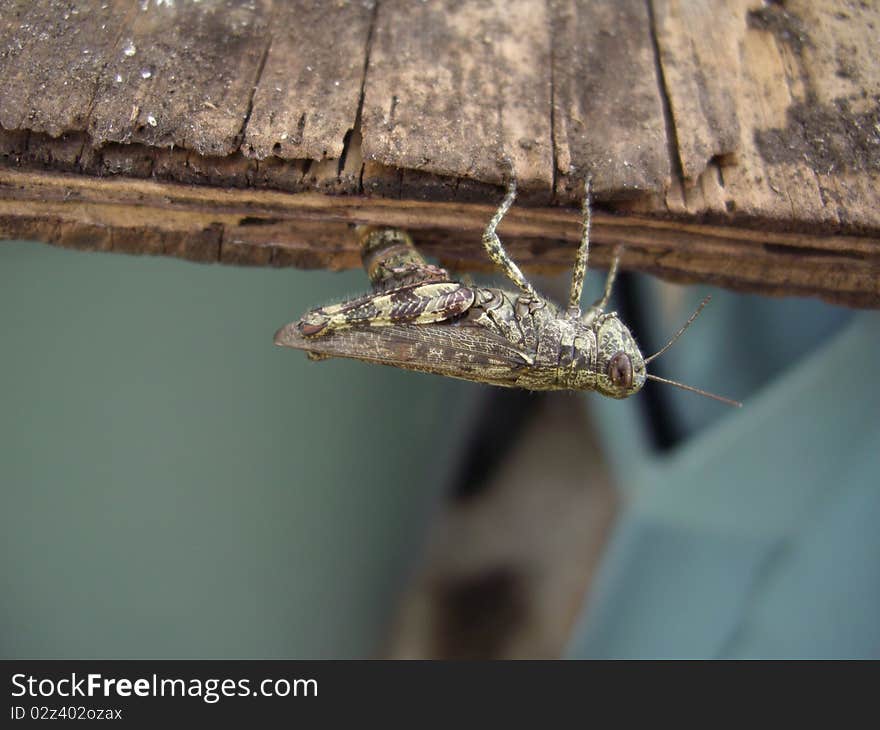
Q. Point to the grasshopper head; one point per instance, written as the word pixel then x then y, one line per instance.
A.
pixel 620 367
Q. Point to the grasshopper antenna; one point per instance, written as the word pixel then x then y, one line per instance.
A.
pixel 669 344
pixel 681 331
pixel 692 389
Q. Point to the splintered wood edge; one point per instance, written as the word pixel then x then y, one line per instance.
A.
pixel 311 230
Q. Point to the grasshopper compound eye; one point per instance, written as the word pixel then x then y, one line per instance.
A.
pixel 620 371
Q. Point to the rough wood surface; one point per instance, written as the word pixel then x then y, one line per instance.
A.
pixel 53 58
pixel 730 141
pixel 181 75
pixel 608 118
pixel 456 88
pixel 308 95
pixel 775 108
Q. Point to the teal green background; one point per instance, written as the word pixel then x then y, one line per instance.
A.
pixel 173 485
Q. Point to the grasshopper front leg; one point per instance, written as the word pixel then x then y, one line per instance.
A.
pixel 600 304
pixel 581 262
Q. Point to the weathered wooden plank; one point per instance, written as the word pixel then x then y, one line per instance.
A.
pixel 184 76
pixel 775 108
pixel 308 229
pixel 749 91
pixel 308 95
pixel 454 88
pixel 700 50
pixel 835 124
pixel 52 57
pixel 766 117
pixel 608 116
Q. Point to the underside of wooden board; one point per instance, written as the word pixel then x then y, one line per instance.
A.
pixel 734 142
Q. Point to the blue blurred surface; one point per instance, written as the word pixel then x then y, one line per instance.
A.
pixel 757 535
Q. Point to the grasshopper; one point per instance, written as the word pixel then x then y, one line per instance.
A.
pixel 417 317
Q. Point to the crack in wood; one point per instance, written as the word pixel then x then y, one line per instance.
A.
pixel 250 105
pixel 553 147
pixel 665 99
pixel 354 135
pixel 124 27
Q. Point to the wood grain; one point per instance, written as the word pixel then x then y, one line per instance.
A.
pixel 311 230
pixel 776 109
pixel 183 75
pixel 608 116
pixel 456 89
pixel 53 57
pixel 307 102
pixel 729 141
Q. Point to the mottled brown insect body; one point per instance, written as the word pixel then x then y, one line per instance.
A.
pixel 418 318
pixel 391 260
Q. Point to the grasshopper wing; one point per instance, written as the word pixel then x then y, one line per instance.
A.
pixel 457 349
pixel 417 303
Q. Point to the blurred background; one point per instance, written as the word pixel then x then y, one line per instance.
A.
pixel 173 486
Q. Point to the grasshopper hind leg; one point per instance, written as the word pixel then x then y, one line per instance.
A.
pixel 496 251
pixel 414 304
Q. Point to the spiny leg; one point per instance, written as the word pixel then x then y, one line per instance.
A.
pixel 609 282
pixel 496 251
pixel 579 272
pixel 600 304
